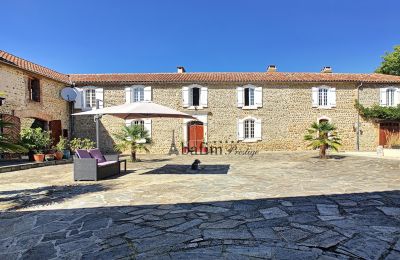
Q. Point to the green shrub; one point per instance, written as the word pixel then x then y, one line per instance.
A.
pixel 35 139
pixel 81 143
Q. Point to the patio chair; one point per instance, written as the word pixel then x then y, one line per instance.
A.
pixel 92 165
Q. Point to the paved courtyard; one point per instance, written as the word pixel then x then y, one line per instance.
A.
pixel 274 205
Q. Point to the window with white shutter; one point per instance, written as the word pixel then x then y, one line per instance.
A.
pixel 143 123
pixel 389 96
pixel 88 98
pixel 323 97
pixel 194 96
pixel 249 129
pixel 249 97
pixel 78 104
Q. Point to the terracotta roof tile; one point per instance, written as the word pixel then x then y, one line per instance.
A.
pixel 13 60
pixel 210 77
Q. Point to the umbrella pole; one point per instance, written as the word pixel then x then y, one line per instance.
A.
pixel 97 120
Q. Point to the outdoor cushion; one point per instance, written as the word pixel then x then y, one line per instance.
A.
pixel 95 153
pixel 83 154
pixel 106 163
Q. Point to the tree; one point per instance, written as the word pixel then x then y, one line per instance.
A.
pixel 323 136
pixel 129 139
pixel 391 63
pixel 6 145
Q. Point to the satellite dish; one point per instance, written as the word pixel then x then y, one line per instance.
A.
pixel 68 94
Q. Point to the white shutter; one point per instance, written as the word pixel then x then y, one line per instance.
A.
pixel 147 93
pixel 78 104
pixel 332 97
pixel 203 96
pixel 382 97
pixel 185 96
pixel 100 96
pixel 147 125
pixel 240 129
pixel 257 129
pixel 258 96
pixel 314 97
pixel 128 122
pixel 128 95
pixel 240 97
pixel 397 97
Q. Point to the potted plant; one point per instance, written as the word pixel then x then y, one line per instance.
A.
pixel 62 150
pixel 36 140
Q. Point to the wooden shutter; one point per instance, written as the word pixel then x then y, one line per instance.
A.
pixel 332 97
pixel 258 97
pixel 239 91
pixel 203 96
pixel 257 129
pixel 100 96
pixel 128 95
pixel 314 96
pixel 382 96
pixel 147 93
pixel 55 130
pixel 185 96
pixel 240 129
pixel 12 132
pixel 78 104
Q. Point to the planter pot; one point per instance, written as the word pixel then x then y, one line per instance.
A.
pixel 66 154
pixel 30 156
pixel 59 155
pixel 49 157
pixel 38 157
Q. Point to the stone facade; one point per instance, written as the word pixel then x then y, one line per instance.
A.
pixel 286 113
pixel 13 83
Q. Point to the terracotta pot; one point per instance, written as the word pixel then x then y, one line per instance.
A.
pixel 59 155
pixel 38 157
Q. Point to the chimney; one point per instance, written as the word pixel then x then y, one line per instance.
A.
pixel 271 68
pixel 181 69
pixel 326 69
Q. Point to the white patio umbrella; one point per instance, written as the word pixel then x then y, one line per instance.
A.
pixel 134 111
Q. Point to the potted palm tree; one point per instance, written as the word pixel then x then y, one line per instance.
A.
pixel 6 144
pixel 37 141
pixel 132 138
pixel 323 136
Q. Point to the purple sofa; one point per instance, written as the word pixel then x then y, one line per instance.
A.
pixel 92 165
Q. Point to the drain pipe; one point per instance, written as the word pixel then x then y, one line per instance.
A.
pixel 358 117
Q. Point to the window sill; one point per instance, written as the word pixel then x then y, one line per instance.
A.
pixel 249 107
pixel 195 107
pixel 250 140
pixel 323 107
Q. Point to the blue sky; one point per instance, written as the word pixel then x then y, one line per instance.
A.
pixel 156 36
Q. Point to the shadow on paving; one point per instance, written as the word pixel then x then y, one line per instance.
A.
pixel 361 226
pixel 186 169
pixel 17 199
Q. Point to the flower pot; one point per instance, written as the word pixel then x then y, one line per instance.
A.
pixel 39 157
pixel 49 157
pixel 59 155
pixel 66 154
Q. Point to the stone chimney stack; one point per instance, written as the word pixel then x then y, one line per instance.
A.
pixel 181 69
pixel 271 68
pixel 326 69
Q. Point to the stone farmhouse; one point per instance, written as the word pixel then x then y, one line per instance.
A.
pixel 263 111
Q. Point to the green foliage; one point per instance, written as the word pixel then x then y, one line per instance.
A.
pixel 378 112
pixel 62 144
pixel 81 143
pixel 6 144
pixel 129 139
pixel 35 139
pixel 323 136
pixel 391 62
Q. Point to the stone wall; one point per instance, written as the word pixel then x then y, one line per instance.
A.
pixel 286 114
pixel 13 82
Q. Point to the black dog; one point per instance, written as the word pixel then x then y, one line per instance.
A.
pixel 195 164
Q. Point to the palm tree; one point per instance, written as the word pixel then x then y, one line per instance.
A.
pixel 6 145
pixel 323 136
pixel 129 139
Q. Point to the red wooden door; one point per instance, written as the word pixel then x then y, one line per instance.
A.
pixel 385 129
pixel 56 130
pixel 196 136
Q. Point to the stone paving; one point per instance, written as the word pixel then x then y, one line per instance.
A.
pixel 273 206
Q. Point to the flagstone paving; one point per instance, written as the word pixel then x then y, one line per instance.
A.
pixel 273 206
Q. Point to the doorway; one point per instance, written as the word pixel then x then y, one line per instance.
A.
pixel 387 129
pixel 195 135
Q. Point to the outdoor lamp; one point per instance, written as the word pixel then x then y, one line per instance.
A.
pixel 2 100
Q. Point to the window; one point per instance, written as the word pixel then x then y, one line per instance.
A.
pixel 138 94
pixel 249 97
pixel 249 129
pixel 90 98
pixel 34 89
pixel 390 92
pixel 195 96
pixel 138 122
pixel 322 97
